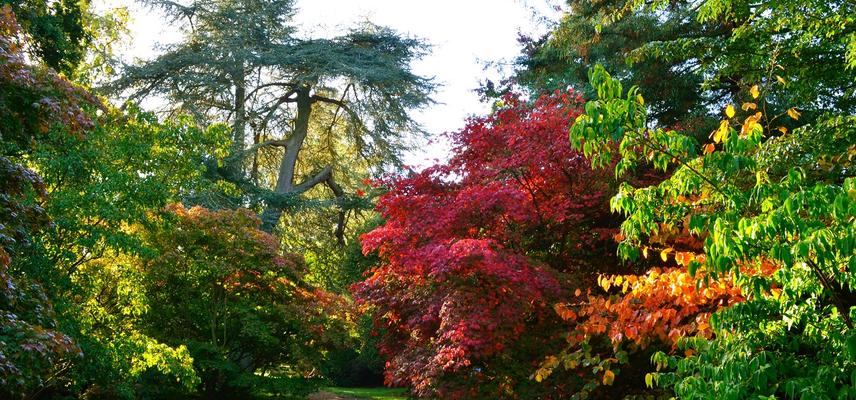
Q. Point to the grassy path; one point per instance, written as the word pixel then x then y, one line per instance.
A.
pixel 338 393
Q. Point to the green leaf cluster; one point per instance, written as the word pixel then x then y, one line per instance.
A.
pixel 776 214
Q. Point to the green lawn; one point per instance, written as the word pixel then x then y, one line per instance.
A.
pixel 370 393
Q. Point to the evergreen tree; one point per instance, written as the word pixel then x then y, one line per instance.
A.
pixel 691 58
pixel 240 62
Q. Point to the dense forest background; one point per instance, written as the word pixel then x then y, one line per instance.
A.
pixel 661 204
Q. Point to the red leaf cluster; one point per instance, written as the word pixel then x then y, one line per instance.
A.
pixel 474 252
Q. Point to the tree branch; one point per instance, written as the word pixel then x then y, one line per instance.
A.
pixel 842 305
pixel 267 85
pixel 286 98
pixel 320 177
pixel 240 155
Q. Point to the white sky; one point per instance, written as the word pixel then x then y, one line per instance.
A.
pixel 465 34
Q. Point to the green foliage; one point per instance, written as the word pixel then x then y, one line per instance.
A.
pixel 758 203
pixel 359 365
pixel 798 51
pixel 772 196
pixel 346 100
pixel 58 31
pixel 129 165
pixel 218 284
pixel 586 36
pixel 281 387
pixel 83 236
pixel 101 189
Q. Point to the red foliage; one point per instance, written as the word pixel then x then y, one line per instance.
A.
pixel 475 252
pixel 33 99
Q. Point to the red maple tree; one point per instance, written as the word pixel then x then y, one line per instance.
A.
pixel 476 251
pixel 492 264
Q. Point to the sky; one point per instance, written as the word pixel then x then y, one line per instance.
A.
pixel 466 35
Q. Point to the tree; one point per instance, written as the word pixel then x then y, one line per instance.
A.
pixel 474 253
pixel 220 286
pixel 264 78
pixel 32 347
pixel 768 200
pixel 37 348
pixel 690 58
pixel 776 215
pixel 72 320
pixel 58 32
pixel 102 191
pixel 590 33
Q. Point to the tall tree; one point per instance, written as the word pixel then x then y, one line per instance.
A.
pixel 583 37
pixel 239 62
pixel 774 207
pixel 690 58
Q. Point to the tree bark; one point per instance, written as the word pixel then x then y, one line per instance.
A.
pixel 239 126
pixel 285 179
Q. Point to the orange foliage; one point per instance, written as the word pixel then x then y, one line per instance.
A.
pixel 662 305
pixel 639 312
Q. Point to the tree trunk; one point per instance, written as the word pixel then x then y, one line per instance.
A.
pixel 238 129
pixel 285 178
pixel 235 167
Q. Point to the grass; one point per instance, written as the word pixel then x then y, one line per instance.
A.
pixel 370 393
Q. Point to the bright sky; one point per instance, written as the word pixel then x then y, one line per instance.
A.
pixel 465 35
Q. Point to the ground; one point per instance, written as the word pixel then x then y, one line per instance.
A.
pixel 337 393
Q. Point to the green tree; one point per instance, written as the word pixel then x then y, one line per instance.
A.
pixel 777 215
pixel 589 34
pixel 772 195
pixel 269 84
pixel 57 28
pixel 101 190
pixel 690 58
pixel 220 285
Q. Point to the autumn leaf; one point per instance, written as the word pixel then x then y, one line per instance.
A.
pixel 750 123
pixel 721 134
pixel 793 113
pixel 684 258
pixel 608 377
pixel 709 148
pixel 729 111
pixel 749 106
pixel 754 91
pixel 664 255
